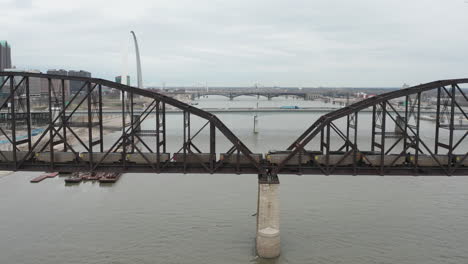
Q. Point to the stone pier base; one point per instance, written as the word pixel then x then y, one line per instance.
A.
pixel 268 211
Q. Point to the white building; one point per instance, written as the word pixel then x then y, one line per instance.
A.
pixel 34 83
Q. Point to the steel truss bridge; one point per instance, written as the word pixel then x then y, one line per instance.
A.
pixel 269 95
pixel 396 140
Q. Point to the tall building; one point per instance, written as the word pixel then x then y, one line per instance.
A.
pixel 118 79
pixel 75 86
pixel 58 72
pixel 34 83
pixel 5 55
pixel 56 85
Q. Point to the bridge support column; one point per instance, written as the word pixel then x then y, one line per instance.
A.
pixel 268 212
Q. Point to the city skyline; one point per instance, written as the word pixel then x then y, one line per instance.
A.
pixel 240 43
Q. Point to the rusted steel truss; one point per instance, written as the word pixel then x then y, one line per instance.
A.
pixel 74 139
pixel 399 145
pixel 90 149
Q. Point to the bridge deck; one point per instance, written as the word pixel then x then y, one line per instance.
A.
pixel 220 168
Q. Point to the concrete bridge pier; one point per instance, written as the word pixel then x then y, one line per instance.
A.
pixel 268 212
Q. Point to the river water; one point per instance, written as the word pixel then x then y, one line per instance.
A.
pixel 149 218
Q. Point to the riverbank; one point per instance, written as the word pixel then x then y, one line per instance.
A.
pixel 110 125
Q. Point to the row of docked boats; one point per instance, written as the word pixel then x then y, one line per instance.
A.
pixel 102 177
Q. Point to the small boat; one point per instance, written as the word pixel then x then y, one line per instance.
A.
pixel 107 180
pixel 110 177
pixel 95 177
pixel 74 178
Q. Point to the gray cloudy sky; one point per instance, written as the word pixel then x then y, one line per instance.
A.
pixel 242 42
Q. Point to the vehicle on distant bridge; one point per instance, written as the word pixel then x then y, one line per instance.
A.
pixel 289 107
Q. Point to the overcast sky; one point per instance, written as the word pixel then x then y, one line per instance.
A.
pixel 305 43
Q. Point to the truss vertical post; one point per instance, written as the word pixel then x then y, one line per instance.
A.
pixel 437 129
pixel 158 131
pixel 13 121
pixel 322 138
pixel 347 131
pixel 405 135
pixel 355 143
pixel 237 161
pixel 124 134
pixel 382 137
pixel 374 109
pixel 64 130
pixel 101 132
pixel 90 129
pixel 164 126
pixel 451 126
pixel 133 129
pixel 28 118
pixel 51 125
pixel 185 140
pixel 189 137
pixel 418 123
pixel 327 157
pixel 212 145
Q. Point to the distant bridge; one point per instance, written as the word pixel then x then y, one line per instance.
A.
pixel 231 95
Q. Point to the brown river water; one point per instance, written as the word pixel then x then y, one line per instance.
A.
pixel 176 218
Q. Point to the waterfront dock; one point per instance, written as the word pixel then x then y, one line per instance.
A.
pixel 44 176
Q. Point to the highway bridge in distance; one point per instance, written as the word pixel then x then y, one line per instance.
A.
pixel 328 147
pixel 268 94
